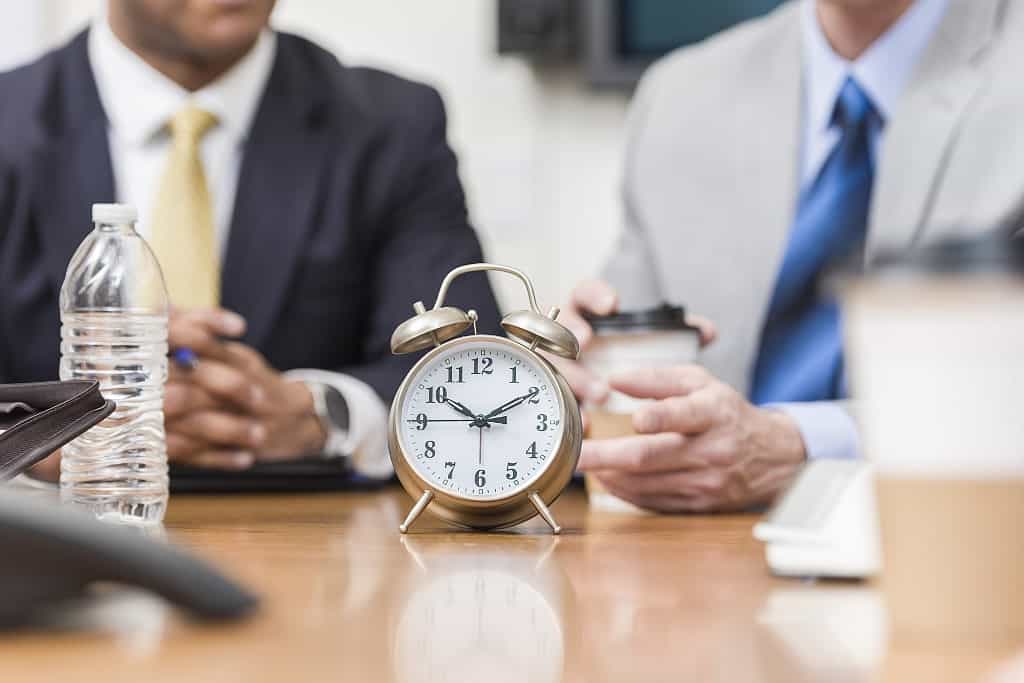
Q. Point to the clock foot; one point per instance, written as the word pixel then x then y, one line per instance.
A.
pixel 545 513
pixel 416 511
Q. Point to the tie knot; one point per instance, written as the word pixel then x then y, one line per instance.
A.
pixel 853 107
pixel 191 124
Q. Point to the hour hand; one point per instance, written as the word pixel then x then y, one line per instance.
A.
pixel 460 408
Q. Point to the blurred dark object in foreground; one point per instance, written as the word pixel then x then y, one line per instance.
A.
pixel 54 557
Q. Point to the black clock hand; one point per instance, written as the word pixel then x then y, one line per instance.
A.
pixel 480 456
pixel 460 408
pixel 501 420
pixel 509 405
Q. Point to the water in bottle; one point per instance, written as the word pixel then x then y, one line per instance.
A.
pixel 114 311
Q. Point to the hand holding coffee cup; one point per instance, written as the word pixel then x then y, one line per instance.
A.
pixel 694 443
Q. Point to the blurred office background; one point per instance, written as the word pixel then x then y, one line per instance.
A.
pixel 539 141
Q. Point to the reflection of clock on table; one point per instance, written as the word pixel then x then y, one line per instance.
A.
pixel 477 614
pixel 483 429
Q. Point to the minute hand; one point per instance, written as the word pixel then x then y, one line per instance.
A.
pixel 504 407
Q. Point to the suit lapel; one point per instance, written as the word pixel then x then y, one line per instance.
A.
pixel 281 175
pixel 73 169
pixel 924 128
pixel 767 162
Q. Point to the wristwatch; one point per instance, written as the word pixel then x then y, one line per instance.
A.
pixel 332 410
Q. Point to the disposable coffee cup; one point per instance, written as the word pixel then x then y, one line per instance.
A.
pixel 934 352
pixel 655 338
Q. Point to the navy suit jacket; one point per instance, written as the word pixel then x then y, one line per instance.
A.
pixel 349 208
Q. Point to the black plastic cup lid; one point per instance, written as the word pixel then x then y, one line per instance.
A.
pixel 994 253
pixel 664 318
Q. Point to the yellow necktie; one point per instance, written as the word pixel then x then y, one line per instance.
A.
pixel 182 232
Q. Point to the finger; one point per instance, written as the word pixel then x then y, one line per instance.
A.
pixel 203 329
pixel 184 397
pixel 227 382
pixel 691 483
pixel 678 380
pixel 579 327
pixel 707 329
pixel 181 446
pixel 584 384
pixel 645 453
pixel 231 461
pixel 594 296
pixel 219 321
pixel 693 414
pixel 222 429
pixel 670 503
pixel 244 356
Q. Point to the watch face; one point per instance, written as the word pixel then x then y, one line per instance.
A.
pixel 481 419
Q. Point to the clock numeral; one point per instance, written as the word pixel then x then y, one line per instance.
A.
pixel 437 395
pixel 532 451
pixel 542 422
pixel 510 471
pixel 533 396
pixel 430 449
pixel 482 366
pixel 480 479
pixel 515 375
pixel 454 373
pixel 421 422
pixel 451 469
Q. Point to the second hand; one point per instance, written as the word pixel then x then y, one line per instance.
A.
pixel 480 458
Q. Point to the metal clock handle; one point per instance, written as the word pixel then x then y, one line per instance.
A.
pixel 477 267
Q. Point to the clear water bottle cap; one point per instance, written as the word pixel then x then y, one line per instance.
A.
pixel 114 213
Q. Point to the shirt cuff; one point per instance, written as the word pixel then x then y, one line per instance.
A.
pixel 368 421
pixel 827 429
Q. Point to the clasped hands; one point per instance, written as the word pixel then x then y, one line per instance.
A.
pixel 232 409
pixel 700 446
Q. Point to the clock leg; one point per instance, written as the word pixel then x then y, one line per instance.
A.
pixel 416 511
pixel 544 512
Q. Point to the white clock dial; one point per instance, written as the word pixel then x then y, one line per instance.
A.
pixel 481 419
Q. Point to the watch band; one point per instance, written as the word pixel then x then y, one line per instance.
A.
pixel 332 410
pixel 40 418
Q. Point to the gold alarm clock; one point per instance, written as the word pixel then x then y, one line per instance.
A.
pixel 484 430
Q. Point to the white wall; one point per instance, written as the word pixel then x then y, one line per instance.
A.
pixel 540 154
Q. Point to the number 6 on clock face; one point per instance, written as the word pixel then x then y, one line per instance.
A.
pixel 481 418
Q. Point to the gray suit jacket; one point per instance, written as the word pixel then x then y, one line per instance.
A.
pixel 712 161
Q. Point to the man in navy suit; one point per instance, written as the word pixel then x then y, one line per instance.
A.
pixel 333 203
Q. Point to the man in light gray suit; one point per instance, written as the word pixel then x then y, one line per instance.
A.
pixel 828 129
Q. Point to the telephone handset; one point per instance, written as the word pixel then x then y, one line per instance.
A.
pixel 53 554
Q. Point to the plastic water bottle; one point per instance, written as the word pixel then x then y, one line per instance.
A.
pixel 114 309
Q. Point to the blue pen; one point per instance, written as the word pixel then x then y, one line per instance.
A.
pixel 185 357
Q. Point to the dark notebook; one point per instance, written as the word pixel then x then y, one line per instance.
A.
pixel 305 475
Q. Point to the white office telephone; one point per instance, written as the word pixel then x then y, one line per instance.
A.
pixel 825 525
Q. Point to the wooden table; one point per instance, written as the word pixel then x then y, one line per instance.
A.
pixel 616 598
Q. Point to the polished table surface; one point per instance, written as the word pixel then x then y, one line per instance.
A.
pixel 617 597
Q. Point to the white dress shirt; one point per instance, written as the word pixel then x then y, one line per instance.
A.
pixel 882 71
pixel 139 102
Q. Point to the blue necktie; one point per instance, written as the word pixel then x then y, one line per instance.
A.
pixel 801 354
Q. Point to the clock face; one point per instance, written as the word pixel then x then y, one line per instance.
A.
pixel 481 418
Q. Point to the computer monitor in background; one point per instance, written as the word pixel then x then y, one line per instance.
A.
pixel 622 37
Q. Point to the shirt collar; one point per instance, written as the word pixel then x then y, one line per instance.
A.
pixel 139 100
pixel 882 71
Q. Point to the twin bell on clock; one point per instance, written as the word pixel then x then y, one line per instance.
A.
pixel 484 430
